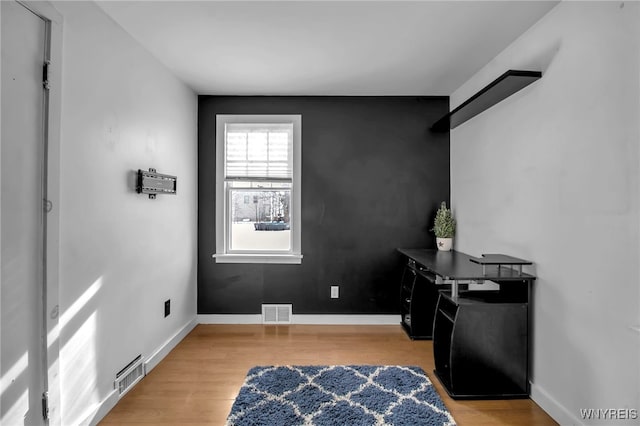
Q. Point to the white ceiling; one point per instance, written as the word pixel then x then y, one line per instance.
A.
pixel 325 47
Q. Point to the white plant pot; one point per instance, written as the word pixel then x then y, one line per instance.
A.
pixel 444 244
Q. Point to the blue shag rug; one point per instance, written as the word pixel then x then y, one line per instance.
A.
pixel 338 395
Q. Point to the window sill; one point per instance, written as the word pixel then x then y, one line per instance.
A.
pixel 294 259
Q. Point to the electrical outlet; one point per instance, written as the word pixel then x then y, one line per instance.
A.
pixel 167 308
pixel 335 292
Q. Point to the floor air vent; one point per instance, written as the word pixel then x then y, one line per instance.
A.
pixel 129 376
pixel 276 314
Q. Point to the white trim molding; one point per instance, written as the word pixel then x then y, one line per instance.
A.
pixel 224 252
pixel 295 259
pixel 54 21
pixel 229 319
pixel 98 411
pixel 557 411
pixel 168 346
pixel 309 319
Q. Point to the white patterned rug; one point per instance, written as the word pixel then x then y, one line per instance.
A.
pixel 338 395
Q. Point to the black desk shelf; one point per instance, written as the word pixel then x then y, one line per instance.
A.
pixel 500 260
pixel 501 88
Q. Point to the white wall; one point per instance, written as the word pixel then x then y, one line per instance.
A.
pixel 551 174
pixel 121 254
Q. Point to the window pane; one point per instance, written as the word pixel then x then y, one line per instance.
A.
pixel 258 146
pixel 279 146
pixel 236 146
pixel 264 223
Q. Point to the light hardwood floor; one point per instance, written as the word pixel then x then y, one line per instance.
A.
pixel 198 381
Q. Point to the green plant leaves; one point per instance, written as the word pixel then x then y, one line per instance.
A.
pixel 444 225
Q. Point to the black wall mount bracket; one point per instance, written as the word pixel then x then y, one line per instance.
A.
pixel 153 183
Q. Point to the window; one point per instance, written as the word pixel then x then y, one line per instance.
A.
pixel 258 188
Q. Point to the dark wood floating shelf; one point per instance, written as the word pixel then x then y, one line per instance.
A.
pixel 501 88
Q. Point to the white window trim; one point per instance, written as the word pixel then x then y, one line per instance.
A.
pixel 295 256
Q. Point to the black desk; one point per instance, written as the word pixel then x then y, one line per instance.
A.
pixel 480 337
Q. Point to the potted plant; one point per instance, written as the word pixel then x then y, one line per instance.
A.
pixel 444 226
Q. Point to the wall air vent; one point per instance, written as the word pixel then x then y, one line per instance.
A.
pixel 276 314
pixel 131 374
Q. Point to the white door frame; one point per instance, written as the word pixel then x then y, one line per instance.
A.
pixel 52 111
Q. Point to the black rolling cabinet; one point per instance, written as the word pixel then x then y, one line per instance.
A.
pixel 418 299
pixel 480 345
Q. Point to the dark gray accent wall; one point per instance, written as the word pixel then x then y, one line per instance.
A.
pixel 373 176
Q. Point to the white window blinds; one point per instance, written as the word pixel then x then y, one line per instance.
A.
pixel 259 151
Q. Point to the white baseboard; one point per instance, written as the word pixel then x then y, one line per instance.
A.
pixel 168 346
pixel 103 408
pixel 345 319
pixel 556 410
pixel 229 319
pixel 100 410
pixel 355 319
